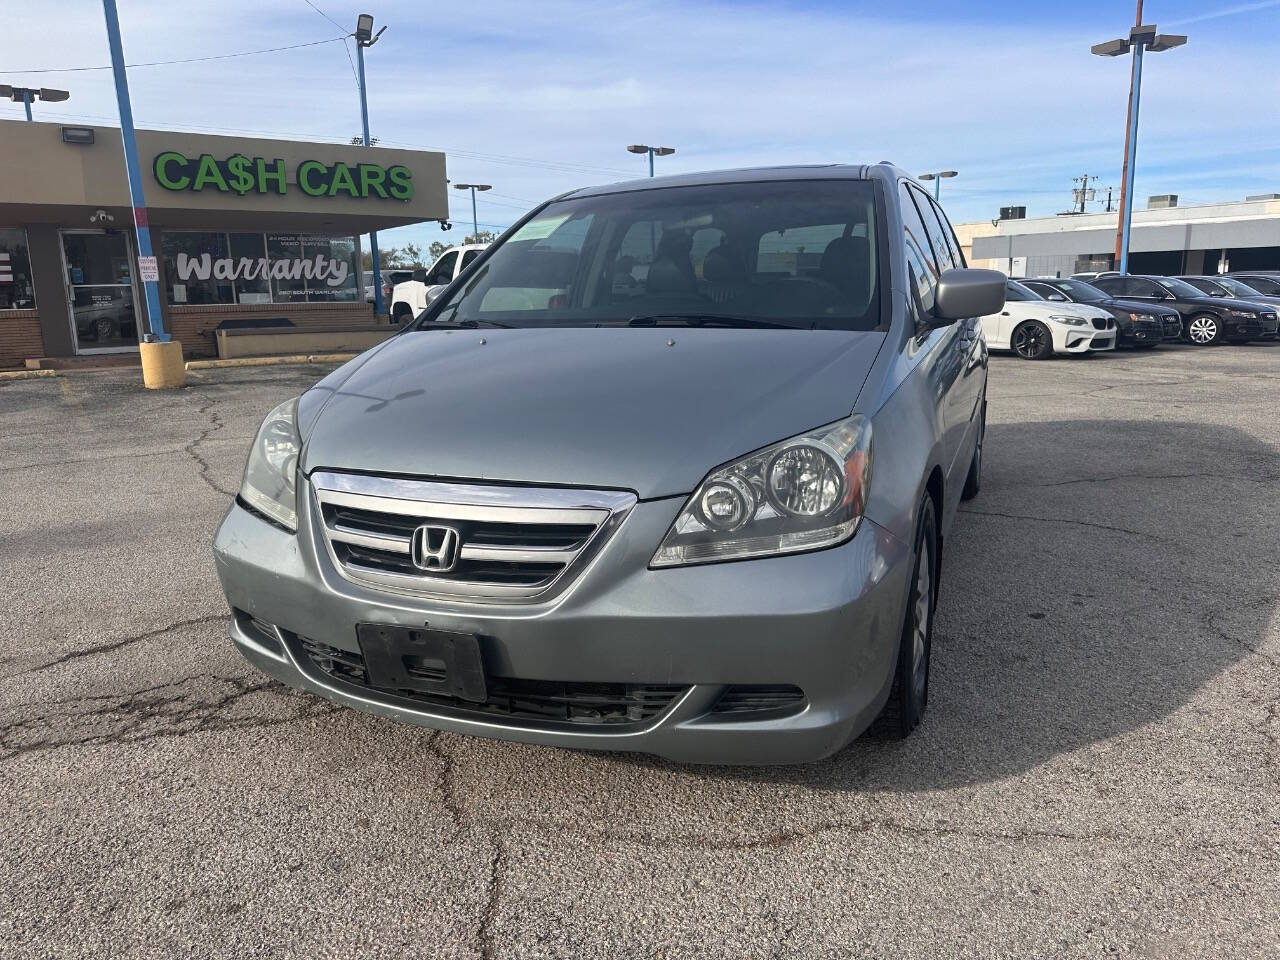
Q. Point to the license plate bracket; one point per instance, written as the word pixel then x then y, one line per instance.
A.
pixel 423 660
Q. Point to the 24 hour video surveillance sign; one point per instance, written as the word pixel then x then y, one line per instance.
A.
pixel 243 175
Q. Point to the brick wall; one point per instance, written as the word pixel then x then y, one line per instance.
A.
pixel 194 324
pixel 19 337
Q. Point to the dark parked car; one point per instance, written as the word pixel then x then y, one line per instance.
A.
pixel 1218 286
pixel 1264 281
pixel 638 516
pixel 1141 324
pixel 1206 320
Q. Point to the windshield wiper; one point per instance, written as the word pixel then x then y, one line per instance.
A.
pixel 462 325
pixel 704 319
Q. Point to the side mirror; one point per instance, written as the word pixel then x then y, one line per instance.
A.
pixel 968 292
pixel 420 275
pixel 1056 298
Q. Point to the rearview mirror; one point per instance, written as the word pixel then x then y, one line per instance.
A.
pixel 968 292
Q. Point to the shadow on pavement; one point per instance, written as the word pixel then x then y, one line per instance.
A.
pixel 1107 570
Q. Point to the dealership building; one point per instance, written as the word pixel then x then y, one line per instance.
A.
pixel 1165 239
pixel 248 232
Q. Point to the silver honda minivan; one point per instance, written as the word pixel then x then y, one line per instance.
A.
pixel 669 468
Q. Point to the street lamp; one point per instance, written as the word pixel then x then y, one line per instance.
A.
pixel 1141 37
pixel 651 151
pixel 475 223
pixel 365 37
pixel 937 179
pixel 24 95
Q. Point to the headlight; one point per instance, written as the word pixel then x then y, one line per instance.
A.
pixel 802 494
pixel 1244 314
pixel 268 485
pixel 1071 321
pixel 1135 317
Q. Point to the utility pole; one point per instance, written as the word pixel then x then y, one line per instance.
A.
pixel 1082 195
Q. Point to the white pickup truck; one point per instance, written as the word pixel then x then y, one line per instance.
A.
pixel 410 298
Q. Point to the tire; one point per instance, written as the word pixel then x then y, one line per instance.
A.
pixel 402 314
pixel 973 480
pixel 909 694
pixel 1204 330
pixel 1032 341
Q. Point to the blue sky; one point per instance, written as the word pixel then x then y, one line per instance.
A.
pixel 536 98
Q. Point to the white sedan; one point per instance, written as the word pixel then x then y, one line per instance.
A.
pixel 1035 328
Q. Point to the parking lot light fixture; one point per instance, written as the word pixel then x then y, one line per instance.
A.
pixel 25 95
pixel 651 151
pixel 1142 37
pixel 937 179
pixel 365 37
pixel 475 222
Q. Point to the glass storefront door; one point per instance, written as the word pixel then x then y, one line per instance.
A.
pixel 99 276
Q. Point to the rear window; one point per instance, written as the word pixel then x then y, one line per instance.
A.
pixel 801 254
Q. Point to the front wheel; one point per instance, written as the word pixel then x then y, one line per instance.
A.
pixel 1032 341
pixel 1204 330
pixel 910 692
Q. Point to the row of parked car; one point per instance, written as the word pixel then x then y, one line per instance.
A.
pixel 1093 312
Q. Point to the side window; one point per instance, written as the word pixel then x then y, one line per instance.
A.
pixel 945 233
pixel 1111 285
pixel 468 256
pixel 442 272
pixel 922 269
pixel 1137 287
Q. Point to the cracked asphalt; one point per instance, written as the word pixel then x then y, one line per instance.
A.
pixel 1098 773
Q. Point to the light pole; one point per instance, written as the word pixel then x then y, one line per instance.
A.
pixel 937 179
pixel 475 223
pixel 365 37
pixel 651 151
pixel 24 96
pixel 1141 37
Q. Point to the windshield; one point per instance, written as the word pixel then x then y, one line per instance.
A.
pixel 1235 287
pixel 1180 288
pixel 775 254
pixel 1016 291
pixel 1211 287
pixel 1081 291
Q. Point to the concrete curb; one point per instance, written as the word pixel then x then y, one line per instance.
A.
pixel 298 358
pixel 27 374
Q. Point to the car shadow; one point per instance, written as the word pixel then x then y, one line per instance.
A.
pixel 1105 573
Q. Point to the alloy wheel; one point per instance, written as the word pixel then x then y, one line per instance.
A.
pixel 1029 341
pixel 1203 330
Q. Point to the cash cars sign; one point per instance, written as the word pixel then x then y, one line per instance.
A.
pixel 245 175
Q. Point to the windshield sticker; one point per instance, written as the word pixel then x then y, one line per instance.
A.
pixel 539 229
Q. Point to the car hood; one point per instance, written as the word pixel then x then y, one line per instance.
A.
pixel 1043 309
pixel 1142 306
pixel 649 410
pixel 1220 303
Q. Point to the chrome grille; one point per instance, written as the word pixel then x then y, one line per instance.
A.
pixel 512 544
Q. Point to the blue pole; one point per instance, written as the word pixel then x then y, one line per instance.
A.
pixel 1126 212
pixel 155 319
pixel 937 188
pixel 651 161
pixel 26 102
pixel 475 219
pixel 373 234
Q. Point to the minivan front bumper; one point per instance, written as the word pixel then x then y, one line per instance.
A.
pixel 827 622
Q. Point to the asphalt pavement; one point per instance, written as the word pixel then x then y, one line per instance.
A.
pixel 1098 773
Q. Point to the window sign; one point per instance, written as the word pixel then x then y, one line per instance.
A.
pixel 16 289
pixel 258 268
pixel 243 175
